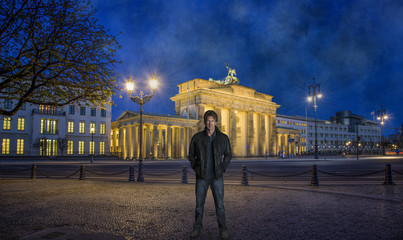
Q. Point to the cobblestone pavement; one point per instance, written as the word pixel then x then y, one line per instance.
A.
pixel 127 210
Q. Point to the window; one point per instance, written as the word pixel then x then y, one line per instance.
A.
pixel 46 109
pixel 7 123
pixel 70 147
pixel 20 146
pixel 80 147
pixel 71 109
pixel 102 129
pixel 70 127
pixel 91 147
pixel 21 124
pixel 8 103
pixel 93 112
pixel 102 148
pixel 49 126
pixel 5 146
pixel 82 110
pixel 103 112
pixel 81 127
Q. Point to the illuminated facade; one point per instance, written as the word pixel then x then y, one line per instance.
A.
pixel 246 116
pixel 164 136
pixel 41 130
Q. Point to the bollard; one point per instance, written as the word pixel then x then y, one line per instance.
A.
pixel 184 175
pixel 388 175
pixel 244 175
pixel 314 180
pixel 131 174
pixel 33 171
pixel 82 172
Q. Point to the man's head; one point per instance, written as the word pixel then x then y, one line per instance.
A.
pixel 210 120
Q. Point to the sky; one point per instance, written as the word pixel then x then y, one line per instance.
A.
pixel 354 50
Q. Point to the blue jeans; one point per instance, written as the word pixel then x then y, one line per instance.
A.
pixel 217 188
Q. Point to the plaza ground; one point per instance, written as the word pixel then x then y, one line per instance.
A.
pixel 96 209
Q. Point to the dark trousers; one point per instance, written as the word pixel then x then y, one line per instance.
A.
pixel 217 188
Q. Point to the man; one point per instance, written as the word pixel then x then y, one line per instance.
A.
pixel 210 155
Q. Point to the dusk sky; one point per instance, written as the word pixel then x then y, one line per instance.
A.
pixel 354 49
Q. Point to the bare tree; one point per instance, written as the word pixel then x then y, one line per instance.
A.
pixel 53 52
pixel 62 143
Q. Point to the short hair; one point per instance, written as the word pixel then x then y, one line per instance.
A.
pixel 210 113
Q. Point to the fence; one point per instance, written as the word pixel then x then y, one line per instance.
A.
pixel 244 174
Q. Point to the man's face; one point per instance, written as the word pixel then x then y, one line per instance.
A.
pixel 210 123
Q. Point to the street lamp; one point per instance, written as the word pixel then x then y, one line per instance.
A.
pixel 315 87
pixel 92 131
pixel 142 99
pixel 382 117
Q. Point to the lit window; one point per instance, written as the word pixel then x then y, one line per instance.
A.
pixel 55 148
pixel 20 146
pixel 82 127
pixel 70 127
pixel 49 126
pixel 93 112
pixel 102 129
pixel 70 147
pixel 7 123
pixel 21 124
pixel 5 146
pixel 102 148
pixel 92 147
pixel 80 147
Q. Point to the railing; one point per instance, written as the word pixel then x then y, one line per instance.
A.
pixel 243 174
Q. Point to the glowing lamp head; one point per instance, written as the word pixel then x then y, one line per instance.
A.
pixel 319 95
pixel 92 130
pixel 385 117
pixel 309 98
pixel 130 85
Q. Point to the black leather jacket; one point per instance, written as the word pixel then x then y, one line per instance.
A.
pixel 198 153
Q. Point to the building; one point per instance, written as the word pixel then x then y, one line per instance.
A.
pixel 164 136
pixel 39 130
pixel 338 134
pixel 246 116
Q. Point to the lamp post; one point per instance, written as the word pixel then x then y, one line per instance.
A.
pixel 382 117
pixel 141 99
pixel 92 131
pixel 315 87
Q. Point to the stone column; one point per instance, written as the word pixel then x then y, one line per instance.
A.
pixel 200 116
pixel 272 132
pixel 155 142
pixel 161 143
pixel 182 143
pixel 168 147
pixel 129 138
pixel 147 141
pixel 251 135
pixel 262 135
pixel 121 146
pixel 292 144
pixel 218 111
pixel 134 141
pixel 232 132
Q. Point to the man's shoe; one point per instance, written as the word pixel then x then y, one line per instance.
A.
pixel 224 234
pixel 195 232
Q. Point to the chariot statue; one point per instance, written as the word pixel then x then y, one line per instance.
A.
pixel 229 79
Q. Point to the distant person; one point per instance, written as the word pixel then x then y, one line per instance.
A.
pixel 209 156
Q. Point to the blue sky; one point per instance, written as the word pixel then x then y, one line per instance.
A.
pixel 353 48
